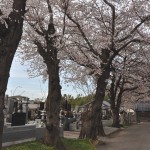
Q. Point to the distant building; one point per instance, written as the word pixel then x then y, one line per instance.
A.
pixel 106 110
pixel 142 109
pixel 20 103
pixel 16 104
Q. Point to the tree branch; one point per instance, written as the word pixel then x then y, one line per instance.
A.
pixel 41 49
pixel 83 35
pixel 50 11
pixel 35 29
pixel 113 16
pixel 134 29
pixel 130 89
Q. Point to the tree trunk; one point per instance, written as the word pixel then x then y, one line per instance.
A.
pixel 1 118
pixel 116 108
pixel 94 118
pixel 116 119
pixel 53 107
pixel 9 39
pixel 93 126
pixel 115 99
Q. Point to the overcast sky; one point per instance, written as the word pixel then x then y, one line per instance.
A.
pixel 20 84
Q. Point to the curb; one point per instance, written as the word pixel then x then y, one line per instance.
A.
pixel 114 132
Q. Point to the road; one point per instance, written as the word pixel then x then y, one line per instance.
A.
pixel 136 137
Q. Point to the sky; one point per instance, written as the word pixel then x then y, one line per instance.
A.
pixel 20 84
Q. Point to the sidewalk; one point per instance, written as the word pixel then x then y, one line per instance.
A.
pixel 135 137
pixel 110 130
pixel 75 134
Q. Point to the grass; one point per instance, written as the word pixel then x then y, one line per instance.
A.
pixel 30 146
pixel 71 144
pixel 78 144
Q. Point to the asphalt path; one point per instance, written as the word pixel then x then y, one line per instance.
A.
pixel 135 137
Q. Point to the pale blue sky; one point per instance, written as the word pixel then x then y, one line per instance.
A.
pixel 20 84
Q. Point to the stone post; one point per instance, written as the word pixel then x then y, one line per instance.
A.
pixel 61 129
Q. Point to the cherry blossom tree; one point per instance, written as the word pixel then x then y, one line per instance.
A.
pixel 11 24
pixel 123 79
pixel 96 32
pixel 141 74
pixel 42 42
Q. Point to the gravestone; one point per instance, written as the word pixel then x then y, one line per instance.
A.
pixel 15 106
pixel 18 119
pixel 41 105
pixel 10 106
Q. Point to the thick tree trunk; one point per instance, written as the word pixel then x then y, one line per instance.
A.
pixel 94 118
pixel 1 118
pixel 93 125
pixel 101 131
pixel 9 40
pixel 53 107
pixel 116 118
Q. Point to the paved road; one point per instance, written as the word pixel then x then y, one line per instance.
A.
pixel 136 137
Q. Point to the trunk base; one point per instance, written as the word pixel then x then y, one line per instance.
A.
pixel 52 139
